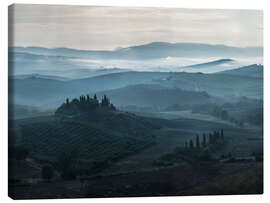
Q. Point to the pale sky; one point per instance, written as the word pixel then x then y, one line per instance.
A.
pixel 107 28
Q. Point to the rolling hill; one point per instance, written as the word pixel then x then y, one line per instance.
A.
pixel 49 93
pixel 17 111
pixel 96 139
pixel 254 70
pixel 155 96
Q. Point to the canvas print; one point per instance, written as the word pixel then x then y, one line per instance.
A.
pixel 134 101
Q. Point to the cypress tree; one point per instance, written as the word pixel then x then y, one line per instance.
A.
pixel 197 141
pixel 215 137
pixel 191 146
pixel 218 135
pixel 105 101
pixel 210 138
pixel 204 140
pixel 221 134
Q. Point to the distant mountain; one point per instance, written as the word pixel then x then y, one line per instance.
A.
pixel 254 70
pixel 149 51
pixel 36 76
pixel 211 63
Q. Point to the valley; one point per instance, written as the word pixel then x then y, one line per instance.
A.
pixel 157 124
pixel 112 147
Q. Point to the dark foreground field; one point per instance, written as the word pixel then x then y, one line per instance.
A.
pixel 135 172
pixel 220 179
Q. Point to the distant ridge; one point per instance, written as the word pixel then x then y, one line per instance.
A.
pixel 211 63
pixel 38 76
pixel 152 50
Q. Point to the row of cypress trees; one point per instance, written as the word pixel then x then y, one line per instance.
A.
pixel 211 139
pixel 105 101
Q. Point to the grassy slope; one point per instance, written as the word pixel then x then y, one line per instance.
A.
pixel 117 135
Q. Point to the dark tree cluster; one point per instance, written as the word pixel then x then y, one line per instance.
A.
pixel 65 165
pixel 84 105
pixel 203 141
pixel 18 152
pixel 195 151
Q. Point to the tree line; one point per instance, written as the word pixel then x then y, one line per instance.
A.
pixel 84 104
pixel 203 141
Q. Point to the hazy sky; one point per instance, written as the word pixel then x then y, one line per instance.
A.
pixel 86 27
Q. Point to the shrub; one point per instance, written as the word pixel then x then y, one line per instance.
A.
pixel 21 153
pixel 68 174
pixel 47 172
